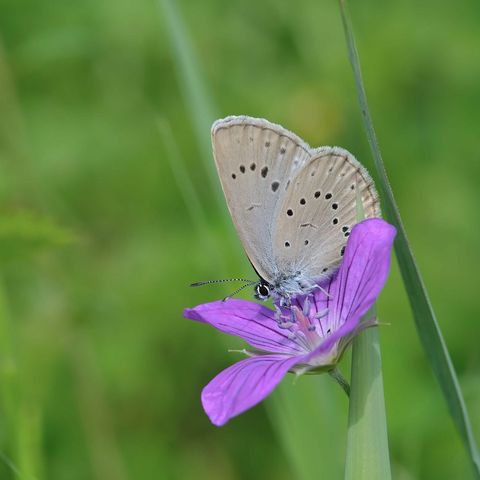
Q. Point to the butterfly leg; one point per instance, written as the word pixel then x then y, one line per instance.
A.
pixel 284 320
pixel 278 313
pixel 323 291
pixel 285 301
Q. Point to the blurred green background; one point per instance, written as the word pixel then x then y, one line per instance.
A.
pixel 108 211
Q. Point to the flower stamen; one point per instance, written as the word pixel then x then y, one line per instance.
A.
pixel 306 305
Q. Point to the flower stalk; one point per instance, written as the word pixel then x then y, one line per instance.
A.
pixel 340 379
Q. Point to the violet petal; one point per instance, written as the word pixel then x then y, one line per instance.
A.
pixel 359 280
pixel 250 321
pixel 243 385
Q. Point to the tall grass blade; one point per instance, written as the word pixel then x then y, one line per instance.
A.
pixel 21 434
pixel 425 320
pixel 197 99
pixel 367 442
pixel 182 178
pixel 305 412
pixel 190 197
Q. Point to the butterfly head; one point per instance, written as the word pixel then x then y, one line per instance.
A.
pixel 263 290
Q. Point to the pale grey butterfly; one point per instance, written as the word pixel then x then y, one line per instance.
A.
pixel 293 206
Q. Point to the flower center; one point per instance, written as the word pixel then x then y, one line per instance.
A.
pixel 306 330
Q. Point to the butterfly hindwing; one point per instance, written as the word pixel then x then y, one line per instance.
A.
pixel 315 217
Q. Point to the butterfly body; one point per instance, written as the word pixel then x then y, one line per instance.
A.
pixel 293 206
pixel 286 285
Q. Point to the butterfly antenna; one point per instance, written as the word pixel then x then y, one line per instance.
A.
pixel 239 290
pixel 207 282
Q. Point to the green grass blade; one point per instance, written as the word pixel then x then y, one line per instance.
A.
pixel 307 414
pixel 197 99
pixel 20 427
pixel 190 197
pixel 425 320
pixel 367 441
pixel 182 178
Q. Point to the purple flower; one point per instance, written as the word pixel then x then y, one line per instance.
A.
pixel 312 336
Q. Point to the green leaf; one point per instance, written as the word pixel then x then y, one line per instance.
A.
pixel 425 320
pixel 367 443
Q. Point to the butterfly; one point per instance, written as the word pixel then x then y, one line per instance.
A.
pixel 293 206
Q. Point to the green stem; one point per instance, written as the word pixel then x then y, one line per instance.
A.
pixel 337 375
pixel 367 441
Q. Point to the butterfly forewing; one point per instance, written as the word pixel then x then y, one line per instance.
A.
pixel 256 160
pixel 315 217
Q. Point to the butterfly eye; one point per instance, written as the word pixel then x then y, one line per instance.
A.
pixel 262 292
